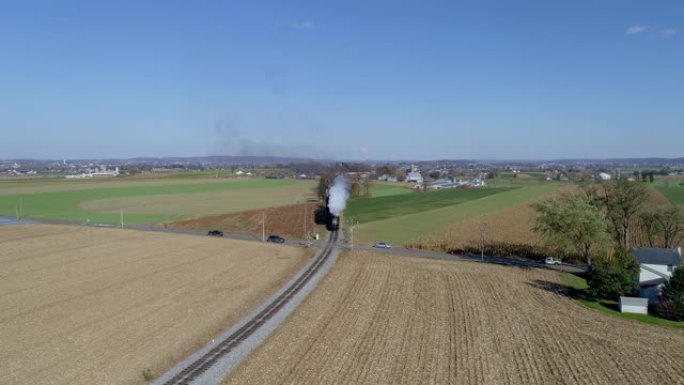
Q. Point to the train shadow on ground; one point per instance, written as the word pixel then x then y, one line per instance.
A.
pixel 321 215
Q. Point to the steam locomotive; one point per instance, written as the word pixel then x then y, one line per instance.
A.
pixel 332 221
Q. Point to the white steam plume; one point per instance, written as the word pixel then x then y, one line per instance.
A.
pixel 337 195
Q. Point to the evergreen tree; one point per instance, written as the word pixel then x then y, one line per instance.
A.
pixel 610 280
pixel 671 303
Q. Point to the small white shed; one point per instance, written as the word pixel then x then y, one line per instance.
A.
pixel 634 305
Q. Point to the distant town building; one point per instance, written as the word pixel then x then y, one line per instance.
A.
pixel 604 176
pixel 102 172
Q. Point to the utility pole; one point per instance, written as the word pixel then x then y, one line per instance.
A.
pixel 122 226
pixel 351 233
pixel 263 226
pixel 352 222
pixel 482 233
pixel 21 209
pixel 304 223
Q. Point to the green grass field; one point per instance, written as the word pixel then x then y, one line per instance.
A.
pixel 404 219
pixel 380 189
pixel 376 209
pixel 153 202
pixel 673 189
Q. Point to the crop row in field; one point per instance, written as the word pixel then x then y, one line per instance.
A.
pixel 98 306
pixel 379 319
pixel 155 203
pixel 408 228
pixel 376 209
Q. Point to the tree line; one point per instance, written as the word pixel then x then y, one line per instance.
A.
pixel 600 221
pixel 603 217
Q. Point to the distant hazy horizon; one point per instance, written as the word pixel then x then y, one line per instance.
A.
pixel 262 159
pixel 349 80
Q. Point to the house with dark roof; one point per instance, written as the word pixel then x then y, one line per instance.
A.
pixel 656 266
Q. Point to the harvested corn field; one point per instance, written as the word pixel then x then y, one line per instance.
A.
pixel 103 306
pixel 380 319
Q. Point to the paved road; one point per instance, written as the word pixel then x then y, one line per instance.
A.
pixel 570 268
pixel 4 220
pixel 566 267
pixel 14 221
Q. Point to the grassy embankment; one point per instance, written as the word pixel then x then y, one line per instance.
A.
pixel 579 286
pixel 150 203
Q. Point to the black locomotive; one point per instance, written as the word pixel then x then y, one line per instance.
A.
pixel 332 221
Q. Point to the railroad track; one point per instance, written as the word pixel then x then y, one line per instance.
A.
pixel 206 361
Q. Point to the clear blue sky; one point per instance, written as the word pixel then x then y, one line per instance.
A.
pixel 342 79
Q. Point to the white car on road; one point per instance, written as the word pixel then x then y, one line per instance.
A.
pixel 552 261
pixel 382 245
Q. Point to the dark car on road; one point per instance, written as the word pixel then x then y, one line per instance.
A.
pixel 275 239
pixel 215 233
pixel 456 252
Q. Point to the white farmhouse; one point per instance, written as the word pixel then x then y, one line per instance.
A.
pixel 656 266
pixel 604 176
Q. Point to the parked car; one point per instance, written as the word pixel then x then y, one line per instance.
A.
pixel 456 252
pixel 552 261
pixel 215 233
pixel 275 239
pixel 382 245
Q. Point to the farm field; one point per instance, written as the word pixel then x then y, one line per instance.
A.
pixel 672 188
pixel 380 189
pixel 291 221
pixel 380 319
pixel 153 201
pixel 512 226
pixel 376 209
pixel 18 186
pixel 85 305
pixel 409 226
pixel 508 229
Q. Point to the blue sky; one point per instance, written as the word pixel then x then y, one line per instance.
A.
pixel 342 79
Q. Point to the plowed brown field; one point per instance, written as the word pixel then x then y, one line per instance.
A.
pixel 98 306
pixel 293 221
pixel 379 319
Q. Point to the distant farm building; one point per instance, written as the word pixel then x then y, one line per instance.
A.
pixel 414 177
pixel 387 178
pixel 604 176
